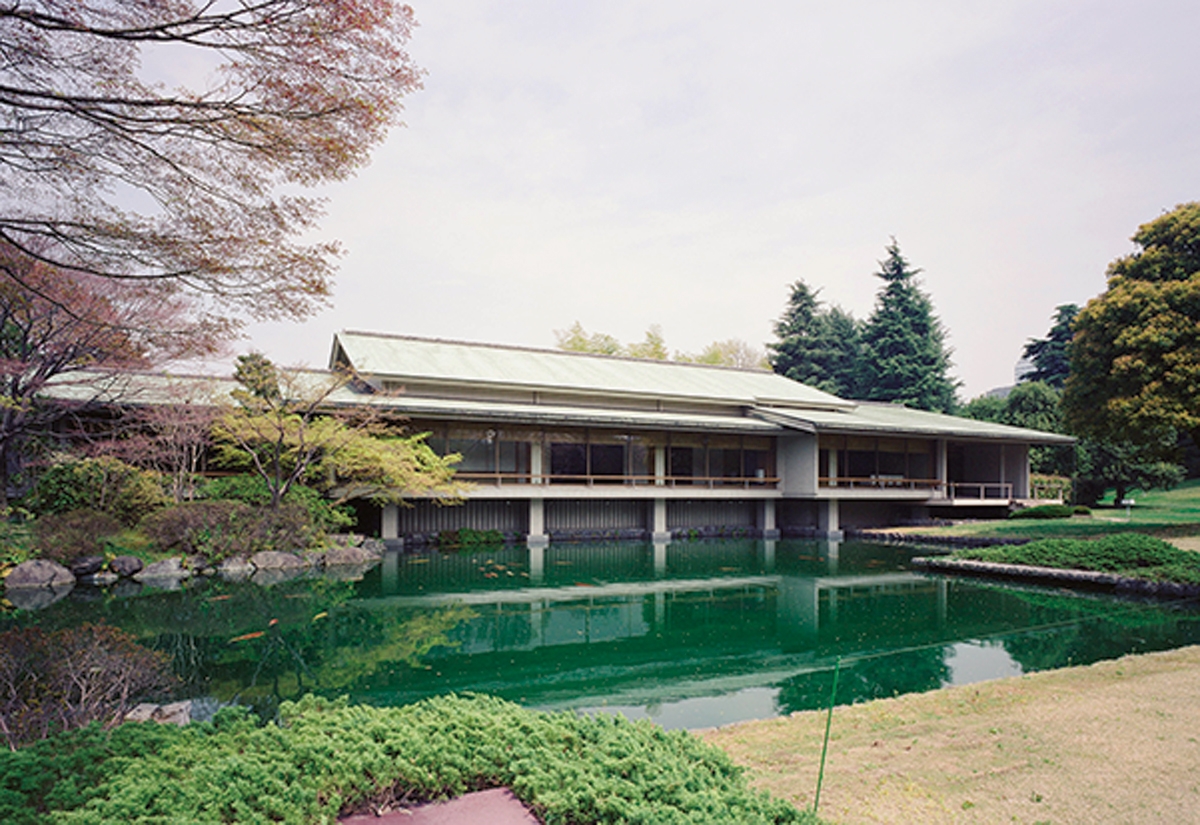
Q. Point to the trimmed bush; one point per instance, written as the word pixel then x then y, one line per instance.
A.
pixel 1044 511
pixel 325 757
pixel 252 490
pixel 468 539
pixel 106 485
pixel 1080 510
pixel 218 530
pixel 1128 554
pixel 66 536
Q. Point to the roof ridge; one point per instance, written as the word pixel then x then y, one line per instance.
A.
pixel 549 351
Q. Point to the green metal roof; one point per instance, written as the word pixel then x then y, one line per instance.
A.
pixel 895 419
pixel 402 358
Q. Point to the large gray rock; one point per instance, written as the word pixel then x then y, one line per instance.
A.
pixel 235 569
pixel 276 560
pixel 375 546
pixel 38 573
pixel 163 571
pixel 126 566
pixel 86 566
pixel 336 556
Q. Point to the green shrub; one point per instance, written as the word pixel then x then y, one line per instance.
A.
pixel 1130 554
pixel 252 490
pixel 1044 511
pixel 65 536
pixel 218 530
pixel 1080 510
pixel 328 757
pixel 107 485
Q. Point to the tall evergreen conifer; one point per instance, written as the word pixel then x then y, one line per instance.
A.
pixel 816 346
pixel 904 355
pixel 1051 363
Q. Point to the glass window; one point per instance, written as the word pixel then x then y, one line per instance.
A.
pixel 478 455
pixel 568 460
pixel 608 459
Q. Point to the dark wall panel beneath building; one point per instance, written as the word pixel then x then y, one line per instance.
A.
pixel 686 513
pixel 505 515
pixel 594 514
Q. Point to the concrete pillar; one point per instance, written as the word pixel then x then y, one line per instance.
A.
pixel 828 526
pixel 537 523
pixel 833 468
pixel 660 465
pixel 389 522
pixel 830 550
pixel 535 462
pixel 658 526
pixel 766 519
pixel 942 472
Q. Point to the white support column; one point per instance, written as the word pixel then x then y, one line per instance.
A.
pixel 660 465
pixel 942 473
pixel 389 522
pixel 537 523
pixel 658 527
pixel 535 461
pixel 766 519
pixel 828 525
pixel 833 468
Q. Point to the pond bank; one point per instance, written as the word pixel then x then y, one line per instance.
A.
pixel 1115 741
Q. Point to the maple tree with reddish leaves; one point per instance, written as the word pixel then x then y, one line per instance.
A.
pixel 77 331
pixel 107 171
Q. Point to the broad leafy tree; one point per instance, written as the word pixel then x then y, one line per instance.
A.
pixel 117 160
pixel 1033 405
pixel 904 355
pixel 1050 356
pixel 815 345
pixel 285 429
pixel 1135 355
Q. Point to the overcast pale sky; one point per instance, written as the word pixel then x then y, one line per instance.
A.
pixel 681 163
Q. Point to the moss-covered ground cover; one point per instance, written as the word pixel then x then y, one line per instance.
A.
pixel 324 757
pixel 1127 554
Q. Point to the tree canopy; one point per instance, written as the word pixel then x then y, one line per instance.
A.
pixel 112 166
pixel 285 431
pixel 732 352
pixel 815 345
pixel 1135 355
pixel 904 357
pixel 1050 355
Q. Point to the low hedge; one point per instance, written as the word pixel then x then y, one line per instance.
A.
pixel 1044 511
pixel 327 757
pixel 1129 554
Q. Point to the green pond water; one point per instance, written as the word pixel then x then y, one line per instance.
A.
pixel 690 634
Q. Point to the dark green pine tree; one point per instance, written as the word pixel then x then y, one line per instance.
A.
pixel 1051 362
pixel 904 356
pixel 817 346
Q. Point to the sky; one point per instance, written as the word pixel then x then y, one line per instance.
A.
pixel 624 164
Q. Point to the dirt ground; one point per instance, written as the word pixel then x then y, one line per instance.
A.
pixel 1186 543
pixel 1113 742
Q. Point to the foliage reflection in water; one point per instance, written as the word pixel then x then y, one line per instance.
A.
pixel 691 634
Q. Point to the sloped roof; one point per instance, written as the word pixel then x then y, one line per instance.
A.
pixel 403 358
pixel 895 419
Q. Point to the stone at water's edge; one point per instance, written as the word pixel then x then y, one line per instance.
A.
pixel 276 560
pixel 126 566
pixel 86 566
pixel 165 569
pixel 348 555
pixel 235 569
pixel 39 573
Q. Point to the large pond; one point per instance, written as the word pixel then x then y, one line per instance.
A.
pixel 689 634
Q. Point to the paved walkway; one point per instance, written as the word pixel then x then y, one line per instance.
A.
pixel 496 806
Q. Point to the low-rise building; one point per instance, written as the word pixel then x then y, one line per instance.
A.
pixel 560 444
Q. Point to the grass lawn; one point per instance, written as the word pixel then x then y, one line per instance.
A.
pixel 1168 514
